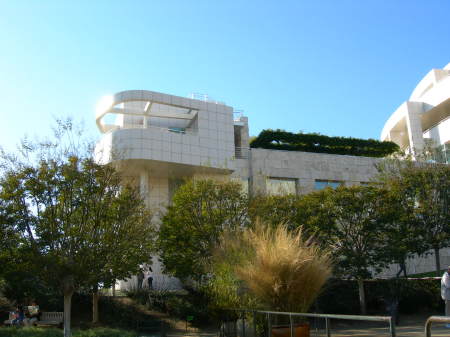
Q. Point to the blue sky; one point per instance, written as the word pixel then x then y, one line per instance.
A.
pixel 334 67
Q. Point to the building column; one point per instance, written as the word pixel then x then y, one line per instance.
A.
pixel 414 127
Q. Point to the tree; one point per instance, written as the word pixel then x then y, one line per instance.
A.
pixel 356 236
pixel 309 211
pixel 429 186
pixel 275 209
pixel 79 226
pixel 425 192
pixel 200 211
pixel 402 237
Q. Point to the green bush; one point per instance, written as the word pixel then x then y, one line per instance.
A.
pixel 40 332
pixel 191 302
pixel 30 332
pixel 313 142
pixel 117 314
pixel 104 332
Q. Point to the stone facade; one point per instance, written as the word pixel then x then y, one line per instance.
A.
pixel 423 121
pixel 158 140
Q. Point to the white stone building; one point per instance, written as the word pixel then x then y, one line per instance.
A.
pixel 423 122
pixel 159 139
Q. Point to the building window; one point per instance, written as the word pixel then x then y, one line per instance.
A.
pixel 281 186
pixel 321 184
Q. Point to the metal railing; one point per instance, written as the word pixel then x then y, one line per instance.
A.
pixel 237 114
pixel 203 97
pixel 326 317
pixel 435 319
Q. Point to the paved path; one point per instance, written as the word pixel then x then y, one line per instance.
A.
pixel 402 331
pixel 407 330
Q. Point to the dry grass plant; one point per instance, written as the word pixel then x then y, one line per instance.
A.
pixel 281 268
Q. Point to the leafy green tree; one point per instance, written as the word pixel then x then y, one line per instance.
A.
pixel 424 190
pixel 356 236
pixel 200 211
pixel 309 211
pixel 79 227
pixel 275 209
pixel 431 187
pixel 82 227
pixel 402 236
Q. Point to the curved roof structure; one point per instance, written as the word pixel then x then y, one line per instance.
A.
pixel 424 116
pixel 146 104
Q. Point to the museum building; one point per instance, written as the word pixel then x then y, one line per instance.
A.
pixel 158 140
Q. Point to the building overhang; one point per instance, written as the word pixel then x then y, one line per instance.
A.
pixel 167 169
pixel 435 115
pixel 111 105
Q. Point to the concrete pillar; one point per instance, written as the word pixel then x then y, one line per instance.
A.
pixel 414 127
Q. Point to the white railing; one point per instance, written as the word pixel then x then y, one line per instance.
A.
pixel 204 98
pixel 237 114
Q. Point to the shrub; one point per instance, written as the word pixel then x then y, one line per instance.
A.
pixel 280 268
pixel 313 142
pixel 104 332
pixel 178 304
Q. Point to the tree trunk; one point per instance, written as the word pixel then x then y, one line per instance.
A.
pixel 438 261
pixel 68 289
pixel 95 297
pixel 362 296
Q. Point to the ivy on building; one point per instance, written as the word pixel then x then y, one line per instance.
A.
pixel 313 142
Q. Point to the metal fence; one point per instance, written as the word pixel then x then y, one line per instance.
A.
pixel 434 319
pixel 292 315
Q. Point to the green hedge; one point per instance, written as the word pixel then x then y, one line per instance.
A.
pixel 40 332
pixel 311 142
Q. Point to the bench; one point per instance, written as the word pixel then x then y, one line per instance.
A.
pixel 47 318
pixel 51 318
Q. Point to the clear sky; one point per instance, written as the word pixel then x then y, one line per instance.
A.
pixel 336 67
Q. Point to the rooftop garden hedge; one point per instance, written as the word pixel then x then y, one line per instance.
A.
pixel 313 142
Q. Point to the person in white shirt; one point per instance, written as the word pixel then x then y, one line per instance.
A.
pixel 445 292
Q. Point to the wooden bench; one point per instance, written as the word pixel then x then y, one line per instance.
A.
pixel 47 318
pixel 51 318
pixel 10 318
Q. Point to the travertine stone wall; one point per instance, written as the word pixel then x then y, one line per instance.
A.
pixel 307 167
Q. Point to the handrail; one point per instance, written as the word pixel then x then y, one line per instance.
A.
pixel 434 319
pixel 327 318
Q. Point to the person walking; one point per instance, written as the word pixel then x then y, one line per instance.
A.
pixel 445 292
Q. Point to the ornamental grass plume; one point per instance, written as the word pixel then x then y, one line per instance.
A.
pixel 285 271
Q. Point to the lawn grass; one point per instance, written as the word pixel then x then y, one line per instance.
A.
pixel 52 332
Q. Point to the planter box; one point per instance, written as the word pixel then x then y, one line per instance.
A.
pixel 300 330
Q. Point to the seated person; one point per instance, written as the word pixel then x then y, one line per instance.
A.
pixel 34 314
pixel 20 316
